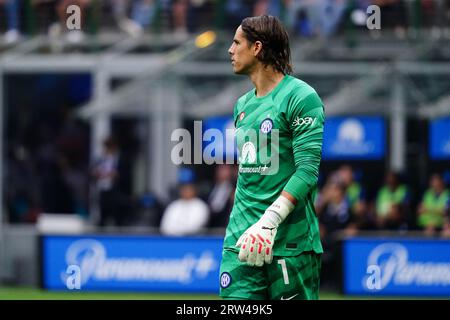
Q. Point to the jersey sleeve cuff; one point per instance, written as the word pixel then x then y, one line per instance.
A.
pixel 298 188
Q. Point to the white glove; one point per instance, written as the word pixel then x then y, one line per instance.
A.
pixel 257 241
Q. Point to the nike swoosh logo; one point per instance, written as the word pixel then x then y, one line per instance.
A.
pixel 290 298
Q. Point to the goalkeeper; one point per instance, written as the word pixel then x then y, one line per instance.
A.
pixel 272 246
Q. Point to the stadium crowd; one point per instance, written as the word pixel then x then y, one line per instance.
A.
pixel 307 18
pixel 50 173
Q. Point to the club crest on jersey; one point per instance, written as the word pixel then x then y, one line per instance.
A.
pixel 225 280
pixel 241 115
pixel 266 125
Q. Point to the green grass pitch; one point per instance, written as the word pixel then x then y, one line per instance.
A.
pixel 14 293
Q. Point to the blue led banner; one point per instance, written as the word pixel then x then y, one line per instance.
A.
pixel 439 139
pixel 131 263
pixel 347 138
pixel 396 266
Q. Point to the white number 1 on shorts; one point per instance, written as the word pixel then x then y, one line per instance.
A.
pixel 284 270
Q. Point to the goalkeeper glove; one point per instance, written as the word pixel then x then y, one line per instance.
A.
pixel 257 241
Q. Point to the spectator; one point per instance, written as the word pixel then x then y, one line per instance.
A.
pixel 185 175
pixel 142 15
pixel 236 11
pixel 333 209
pixel 12 15
pixel 110 175
pixel 314 18
pixel 200 15
pixel 446 227
pixel 392 203
pixel 143 12
pixel 185 216
pixel 119 12
pixel 55 195
pixel 355 195
pixel 269 7
pixel 221 198
pixel 179 16
pixel 71 144
pixel 435 201
pixel 76 181
pixel 331 13
pixel 44 14
pixel 393 13
pixel 22 194
pixel 149 210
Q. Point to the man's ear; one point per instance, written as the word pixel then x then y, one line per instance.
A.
pixel 257 47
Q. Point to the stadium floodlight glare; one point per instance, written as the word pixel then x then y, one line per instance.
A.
pixel 205 39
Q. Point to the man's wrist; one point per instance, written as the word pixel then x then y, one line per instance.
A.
pixel 278 211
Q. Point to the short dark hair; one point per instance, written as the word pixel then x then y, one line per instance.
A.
pixel 275 39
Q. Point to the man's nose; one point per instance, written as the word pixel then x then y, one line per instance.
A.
pixel 230 50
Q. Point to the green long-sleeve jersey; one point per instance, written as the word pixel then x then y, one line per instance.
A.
pixel 279 139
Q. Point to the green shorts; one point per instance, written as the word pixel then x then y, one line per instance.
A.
pixel 286 278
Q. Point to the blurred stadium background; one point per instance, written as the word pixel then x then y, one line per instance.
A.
pixel 86 127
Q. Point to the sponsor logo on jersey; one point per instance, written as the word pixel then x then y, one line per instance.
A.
pixel 248 153
pixel 225 280
pixel 241 115
pixel 306 121
pixel 290 298
pixel 266 125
